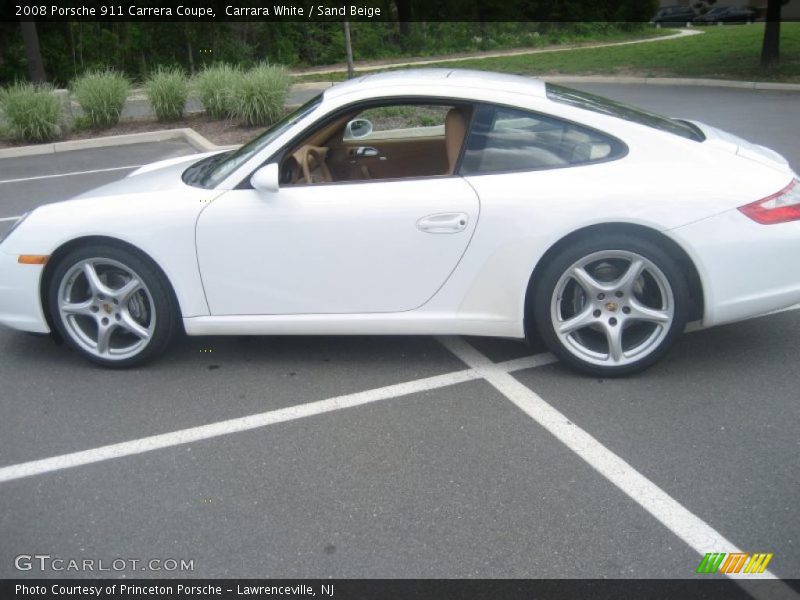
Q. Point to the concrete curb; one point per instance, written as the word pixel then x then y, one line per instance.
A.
pixel 623 80
pixel 676 81
pixel 187 134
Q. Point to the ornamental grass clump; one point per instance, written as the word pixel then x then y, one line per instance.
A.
pixel 167 90
pixel 215 85
pixel 102 95
pixel 32 112
pixel 259 96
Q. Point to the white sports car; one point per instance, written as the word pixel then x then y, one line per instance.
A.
pixel 423 202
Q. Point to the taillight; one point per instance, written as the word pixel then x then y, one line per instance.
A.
pixel 780 207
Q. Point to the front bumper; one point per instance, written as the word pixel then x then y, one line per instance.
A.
pixel 20 304
pixel 747 269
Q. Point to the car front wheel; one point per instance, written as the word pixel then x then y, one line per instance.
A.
pixel 611 305
pixel 111 305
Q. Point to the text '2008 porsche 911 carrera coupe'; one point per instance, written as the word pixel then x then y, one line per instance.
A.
pixel 428 201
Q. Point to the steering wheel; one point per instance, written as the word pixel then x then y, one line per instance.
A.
pixel 305 155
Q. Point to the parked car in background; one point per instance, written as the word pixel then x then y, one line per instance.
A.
pixel 722 14
pixel 674 15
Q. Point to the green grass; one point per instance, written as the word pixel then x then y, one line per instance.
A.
pixel 167 91
pixel 553 39
pixel 728 52
pixel 215 86
pixel 32 112
pixel 259 97
pixel 402 116
pixel 101 95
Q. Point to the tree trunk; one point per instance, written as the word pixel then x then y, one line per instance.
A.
pixel 349 50
pixel 80 44
pixel 190 54
pixel 32 52
pixel 404 16
pixel 770 49
pixel 72 48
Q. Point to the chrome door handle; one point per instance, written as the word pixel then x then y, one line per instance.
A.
pixel 443 223
pixel 366 151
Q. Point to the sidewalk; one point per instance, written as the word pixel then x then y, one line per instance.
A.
pixel 362 66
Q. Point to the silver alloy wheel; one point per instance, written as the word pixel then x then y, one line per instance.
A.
pixel 612 308
pixel 106 308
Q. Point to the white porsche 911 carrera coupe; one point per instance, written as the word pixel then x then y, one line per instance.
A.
pixel 423 202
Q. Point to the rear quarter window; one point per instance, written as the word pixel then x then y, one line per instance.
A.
pixel 507 139
pixel 586 101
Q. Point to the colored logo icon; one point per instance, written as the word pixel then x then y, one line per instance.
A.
pixel 735 562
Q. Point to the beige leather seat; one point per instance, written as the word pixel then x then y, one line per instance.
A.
pixel 456 123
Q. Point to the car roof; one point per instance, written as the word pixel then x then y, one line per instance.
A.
pixel 420 79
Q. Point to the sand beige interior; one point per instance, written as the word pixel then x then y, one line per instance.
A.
pixel 407 141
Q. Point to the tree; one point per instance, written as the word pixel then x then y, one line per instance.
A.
pixel 770 49
pixel 405 14
pixel 32 52
pixel 348 51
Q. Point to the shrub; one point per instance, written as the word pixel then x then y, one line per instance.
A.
pixel 167 90
pixel 260 94
pixel 101 95
pixel 33 113
pixel 215 87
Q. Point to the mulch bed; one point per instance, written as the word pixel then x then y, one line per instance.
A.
pixel 222 133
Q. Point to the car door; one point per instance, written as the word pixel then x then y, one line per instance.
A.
pixel 337 248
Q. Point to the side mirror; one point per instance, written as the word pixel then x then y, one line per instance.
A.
pixel 266 179
pixel 357 128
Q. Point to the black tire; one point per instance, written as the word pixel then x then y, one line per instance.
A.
pixel 661 289
pixel 140 326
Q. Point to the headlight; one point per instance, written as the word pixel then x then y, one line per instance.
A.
pixel 4 236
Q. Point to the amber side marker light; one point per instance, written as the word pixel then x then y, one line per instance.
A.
pixel 32 259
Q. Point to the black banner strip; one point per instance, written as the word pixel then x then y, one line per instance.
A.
pixel 405 589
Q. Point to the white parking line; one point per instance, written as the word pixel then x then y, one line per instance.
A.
pixel 527 362
pixel 3 219
pixel 204 432
pixel 698 534
pixel 291 413
pixel 781 310
pixel 69 174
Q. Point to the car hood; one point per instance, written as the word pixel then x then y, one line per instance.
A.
pixel 741 147
pixel 163 175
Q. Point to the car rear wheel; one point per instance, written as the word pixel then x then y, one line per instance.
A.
pixel 611 305
pixel 112 306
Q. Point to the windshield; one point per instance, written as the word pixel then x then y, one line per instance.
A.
pixel 208 173
pixel 613 108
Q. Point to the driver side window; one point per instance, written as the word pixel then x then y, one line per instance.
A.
pixel 392 141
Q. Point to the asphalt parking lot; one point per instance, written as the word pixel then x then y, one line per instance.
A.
pixel 403 456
